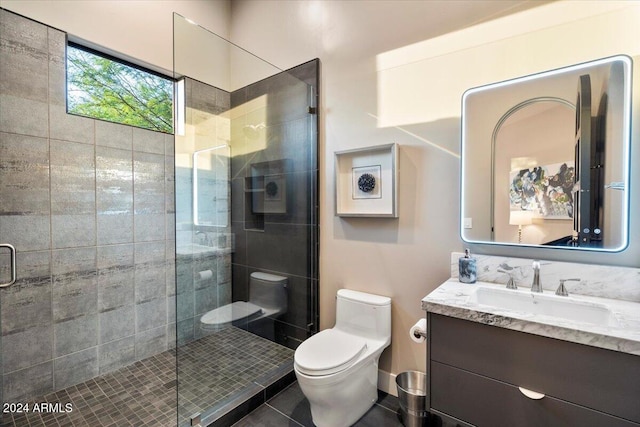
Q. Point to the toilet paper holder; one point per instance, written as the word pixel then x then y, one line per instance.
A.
pixel 419 334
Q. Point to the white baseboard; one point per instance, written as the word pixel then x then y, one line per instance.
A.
pixel 387 383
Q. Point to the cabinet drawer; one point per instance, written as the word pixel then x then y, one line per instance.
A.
pixel 600 379
pixel 484 402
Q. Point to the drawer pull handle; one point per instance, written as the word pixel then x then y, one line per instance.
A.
pixel 531 394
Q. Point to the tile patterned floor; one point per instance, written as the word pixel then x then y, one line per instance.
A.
pixel 291 408
pixel 211 371
pixel 141 394
pixel 211 379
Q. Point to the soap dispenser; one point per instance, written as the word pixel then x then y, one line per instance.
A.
pixel 467 271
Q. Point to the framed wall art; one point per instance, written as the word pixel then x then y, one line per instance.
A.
pixel 367 182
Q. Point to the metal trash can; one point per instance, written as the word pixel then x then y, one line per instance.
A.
pixel 412 395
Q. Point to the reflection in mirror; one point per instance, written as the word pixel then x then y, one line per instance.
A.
pixel 545 158
pixel 211 186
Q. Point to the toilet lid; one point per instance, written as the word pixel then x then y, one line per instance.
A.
pixel 230 313
pixel 328 352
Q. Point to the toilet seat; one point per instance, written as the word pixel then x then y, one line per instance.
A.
pixel 328 352
pixel 229 313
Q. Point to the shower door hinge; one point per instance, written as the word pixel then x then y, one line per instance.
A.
pixel 312 110
pixel 196 420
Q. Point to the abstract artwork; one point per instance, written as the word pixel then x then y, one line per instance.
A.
pixel 545 190
pixel 366 182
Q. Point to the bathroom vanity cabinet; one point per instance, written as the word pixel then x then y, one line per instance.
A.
pixel 475 370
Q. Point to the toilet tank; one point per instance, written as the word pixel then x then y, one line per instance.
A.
pixel 268 291
pixel 364 314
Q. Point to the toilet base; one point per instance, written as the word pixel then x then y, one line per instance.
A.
pixel 342 402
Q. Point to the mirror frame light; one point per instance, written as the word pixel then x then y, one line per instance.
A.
pixel 626 145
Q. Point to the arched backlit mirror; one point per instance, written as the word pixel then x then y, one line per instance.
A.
pixel 545 159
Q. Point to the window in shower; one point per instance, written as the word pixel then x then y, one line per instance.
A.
pixel 102 87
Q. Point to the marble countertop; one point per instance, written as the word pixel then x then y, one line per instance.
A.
pixel 454 299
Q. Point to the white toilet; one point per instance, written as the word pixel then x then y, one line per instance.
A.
pixel 267 299
pixel 337 369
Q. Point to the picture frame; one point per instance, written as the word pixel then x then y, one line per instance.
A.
pixel 366 182
pixel 270 194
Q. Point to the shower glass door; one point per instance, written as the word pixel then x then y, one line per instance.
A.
pixel 246 202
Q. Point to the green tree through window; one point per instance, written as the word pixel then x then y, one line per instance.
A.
pixel 102 88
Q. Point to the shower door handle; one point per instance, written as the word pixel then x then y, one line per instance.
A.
pixel 14 276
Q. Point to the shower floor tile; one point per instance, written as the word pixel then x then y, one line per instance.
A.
pixel 211 371
pixel 211 380
pixel 141 394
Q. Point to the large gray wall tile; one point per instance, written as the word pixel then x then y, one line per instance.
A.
pixel 115 276
pixel 149 227
pixel 23 52
pixel 24 175
pixel 185 332
pixel 117 323
pixel 70 231
pixel 33 381
pixel 73 178
pixel 27 348
pixel 57 67
pixel 170 269
pixel 75 335
pixel 150 314
pixel 149 196
pixel 114 228
pixel 148 141
pixel 27 303
pixel 116 354
pixel 75 368
pixel 171 335
pixel 114 195
pixel 24 116
pixel 73 195
pixel 75 289
pixel 150 275
pixel 171 309
pixel 69 127
pixel 26 232
pixel 114 135
pixel 148 174
pixel 185 302
pixel 169 144
pixel 114 181
pixel 150 253
pixel 150 342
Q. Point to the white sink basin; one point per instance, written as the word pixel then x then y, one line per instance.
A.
pixel 545 304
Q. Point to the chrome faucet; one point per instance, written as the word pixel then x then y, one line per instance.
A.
pixel 511 284
pixel 562 291
pixel 536 286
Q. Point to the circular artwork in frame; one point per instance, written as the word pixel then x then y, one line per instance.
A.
pixel 367 183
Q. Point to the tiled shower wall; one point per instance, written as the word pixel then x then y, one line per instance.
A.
pixel 89 205
pixel 274 134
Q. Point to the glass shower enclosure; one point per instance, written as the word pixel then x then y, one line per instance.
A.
pixel 246 179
